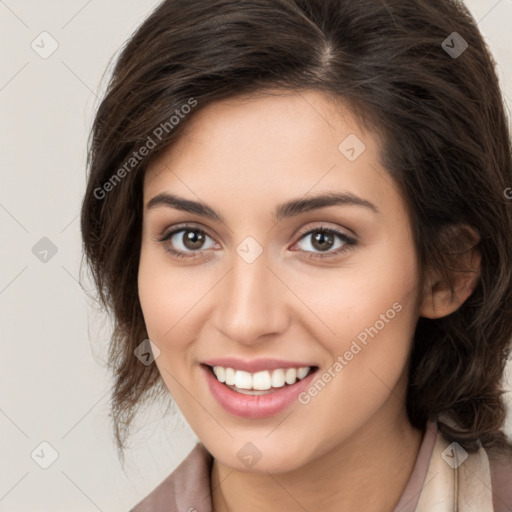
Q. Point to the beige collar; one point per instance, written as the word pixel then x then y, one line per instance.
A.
pixel 456 481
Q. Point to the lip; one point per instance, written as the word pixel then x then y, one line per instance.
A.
pixel 256 365
pixel 255 406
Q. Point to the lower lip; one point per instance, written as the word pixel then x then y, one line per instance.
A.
pixel 255 406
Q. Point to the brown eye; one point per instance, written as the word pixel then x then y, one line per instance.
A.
pixel 323 240
pixel 192 240
pixel 186 241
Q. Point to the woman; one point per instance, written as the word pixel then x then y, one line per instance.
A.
pixel 297 214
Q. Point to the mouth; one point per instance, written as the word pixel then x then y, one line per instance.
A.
pixel 260 394
pixel 262 382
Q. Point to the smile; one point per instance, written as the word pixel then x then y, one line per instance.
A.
pixel 259 382
pixel 257 394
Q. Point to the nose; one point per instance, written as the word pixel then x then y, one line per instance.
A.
pixel 251 302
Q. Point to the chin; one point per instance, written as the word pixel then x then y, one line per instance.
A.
pixel 260 457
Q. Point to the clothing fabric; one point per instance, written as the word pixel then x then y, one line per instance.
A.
pixel 445 478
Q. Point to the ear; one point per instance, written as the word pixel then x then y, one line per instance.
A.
pixel 444 293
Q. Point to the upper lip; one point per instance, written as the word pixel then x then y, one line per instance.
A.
pixel 255 365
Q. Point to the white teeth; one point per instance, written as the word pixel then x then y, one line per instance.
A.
pixel 243 380
pixel 230 376
pixel 252 391
pixel 290 376
pixel 302 372
pixel 278 378
pixel 260 381
pixel 220 373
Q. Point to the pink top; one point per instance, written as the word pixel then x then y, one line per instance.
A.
pixel 187 488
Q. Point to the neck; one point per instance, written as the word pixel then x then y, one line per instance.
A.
pixel 369 471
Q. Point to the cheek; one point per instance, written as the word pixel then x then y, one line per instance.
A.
pixel 171 300
pixel 164 294
pixel 373 313
pixel 157 304
pixel 367 290
pixel 370 311
pixel 165 299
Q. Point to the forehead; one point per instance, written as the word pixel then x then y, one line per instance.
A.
pixel 270 146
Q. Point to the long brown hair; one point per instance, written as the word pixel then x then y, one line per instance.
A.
pixel 418 72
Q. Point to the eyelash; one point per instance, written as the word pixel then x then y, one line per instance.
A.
pixel 348 241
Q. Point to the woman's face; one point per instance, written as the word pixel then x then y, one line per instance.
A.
pixel 260 281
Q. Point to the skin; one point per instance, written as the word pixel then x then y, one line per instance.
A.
pixel 351 447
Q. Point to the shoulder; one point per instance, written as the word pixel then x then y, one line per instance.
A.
pixel 186 488
pixel 500 462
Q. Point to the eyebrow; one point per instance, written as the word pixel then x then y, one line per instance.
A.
pixel 285 210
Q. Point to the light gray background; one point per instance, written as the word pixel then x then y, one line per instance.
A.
pixel 53 386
